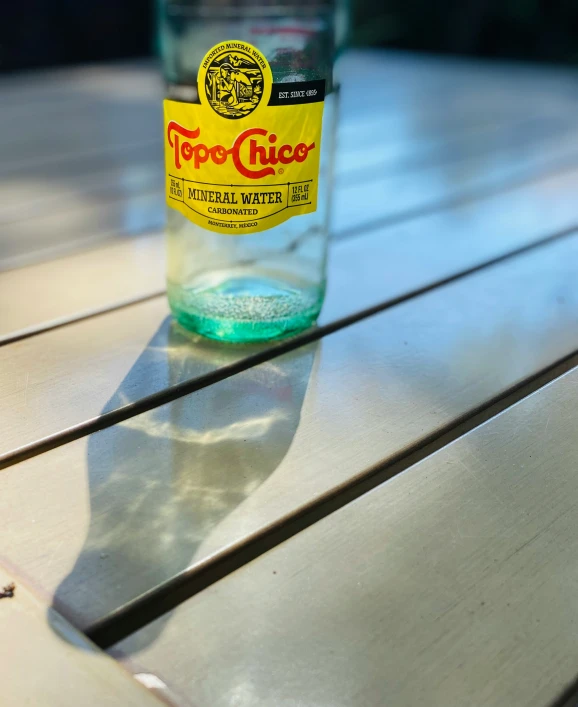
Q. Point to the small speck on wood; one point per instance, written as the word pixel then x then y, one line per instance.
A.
pixel 7 592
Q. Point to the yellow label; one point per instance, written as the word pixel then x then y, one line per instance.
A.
pixel 247 158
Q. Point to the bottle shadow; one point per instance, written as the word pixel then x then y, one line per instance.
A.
pixel 162 481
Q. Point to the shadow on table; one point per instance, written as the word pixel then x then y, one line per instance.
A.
pixel 162 481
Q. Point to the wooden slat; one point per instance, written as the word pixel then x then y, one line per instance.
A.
pixel 452 584
pixel 142 262
pixel 178 486
pixel 55 86
pixel 447 82
pixel 395 196
pixel 65 289
pixel 81 226
pixel 94 170
pixel 431 103
pixel 402 148
pixel 36 189
pixel 436 90
pixel 84 110
pixel 67 214
pixel 44 661
pixel 108 120
pixel 43 210
pixel 78 371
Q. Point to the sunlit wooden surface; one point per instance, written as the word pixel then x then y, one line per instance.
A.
pixel 173 488
pixel 45 661
pixel 452 584
pixel 77 369
pixel 139 464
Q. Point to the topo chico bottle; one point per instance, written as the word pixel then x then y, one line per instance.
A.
pixel 249 132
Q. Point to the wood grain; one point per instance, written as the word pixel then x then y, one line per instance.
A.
pixel 174 488
pixel 452 584
pixel 77 370
pixel 82 284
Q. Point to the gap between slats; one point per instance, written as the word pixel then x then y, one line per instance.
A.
pixel 456 200
pixel 142 611
pixel 167 395
pixel 367 227
pixel 502 185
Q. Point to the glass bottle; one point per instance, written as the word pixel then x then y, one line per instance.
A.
pixel 255 282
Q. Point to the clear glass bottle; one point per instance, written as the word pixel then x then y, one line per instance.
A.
pixel 270 284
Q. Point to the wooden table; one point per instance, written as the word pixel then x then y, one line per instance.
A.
pixel 382 511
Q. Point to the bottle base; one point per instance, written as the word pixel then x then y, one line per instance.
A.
pixel 244 310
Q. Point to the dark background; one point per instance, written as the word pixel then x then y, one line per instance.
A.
pixel 36 33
